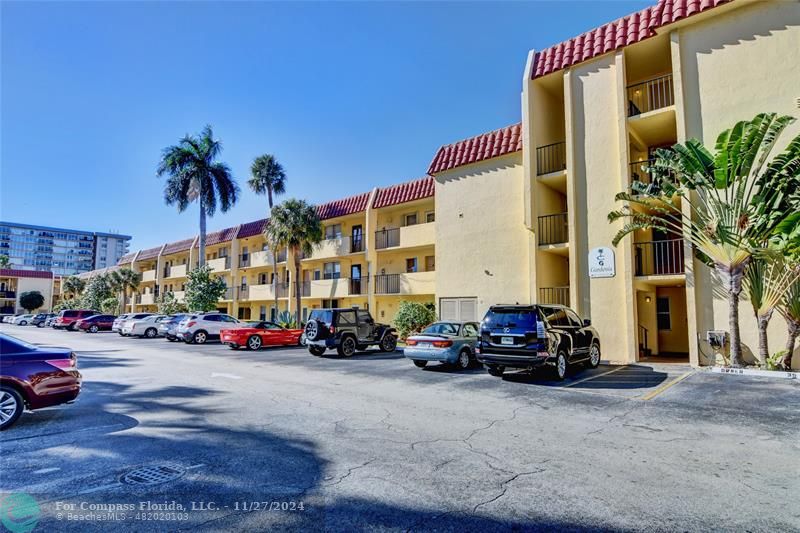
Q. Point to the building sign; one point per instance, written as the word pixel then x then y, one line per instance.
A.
pixel 601 263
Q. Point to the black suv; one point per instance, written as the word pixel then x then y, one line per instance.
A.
pixel 347 330
pixel 527 336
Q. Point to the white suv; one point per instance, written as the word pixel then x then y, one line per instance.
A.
pixel 204 326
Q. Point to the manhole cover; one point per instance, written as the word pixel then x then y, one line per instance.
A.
pixel 153 474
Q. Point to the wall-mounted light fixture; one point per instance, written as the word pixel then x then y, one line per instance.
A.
pixel 647 299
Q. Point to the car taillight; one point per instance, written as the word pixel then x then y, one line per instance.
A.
pixel 442 344
pixel 190 324
pixel 411 342
pixel 332 330
pixel 64 364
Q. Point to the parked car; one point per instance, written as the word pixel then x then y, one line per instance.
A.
pixel 6 317
pixel 50 321
pixel 168 326
pixel 40 319
pixel 529 336
pixel 34 377
pixel 257 334
pixel 22 320
pixel 130 316
pixel 347 330
pixel 452 343
pixel 67 318
pixel 96 323
pixel 116 326
pixel 143 327
pixel 201 327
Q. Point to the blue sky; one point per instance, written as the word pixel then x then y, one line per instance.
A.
pixel 346 95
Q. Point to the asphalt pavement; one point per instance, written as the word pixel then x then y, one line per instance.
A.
pixel 168 436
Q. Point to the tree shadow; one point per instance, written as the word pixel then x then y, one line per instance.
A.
pixel 629 377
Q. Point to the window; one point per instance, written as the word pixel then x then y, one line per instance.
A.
pixel 574 319
pixel 317 274
pixel 332 271
pixel 411 264
pixel 262 279
pixel 555 316
pixel 430 263
pixel 364 317
pixel 262 312
pixel 430 216
pixel 410 219
pixel 334 231
pixel 662 314
pixel 469 330
pixel 347 318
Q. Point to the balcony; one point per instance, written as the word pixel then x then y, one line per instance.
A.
pixel 146 299
pixel 228 294
pixel 180 296
pixel 326 288
pixel 328 248
pixel 416 235
pixel 551 158
pixel 10 295
pixel 258 292
pixel 148 275
pixel 553 229
pixel 357 286
pixel 409 283
pixel 659 258
pixel 650 95
pixel 256 259
pixel 176 271
pixel 282 256
pixel 554 295
pixel 283 290
pixel 220 264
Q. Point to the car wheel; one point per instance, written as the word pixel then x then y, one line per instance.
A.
pixel 315 330
pixel 94 328
pixel 200 337
pixel 388 343
pixel 347 347
pixel 71 327
pixel 23 323
pixel 561 365
pixel 594 356
pixel 151 333
pixel 495 370
pixel 11 406
pixel 254 342
pixel 302 340
pixel 419 364
pixel 463 361
pixel 316 350
pixel 40 325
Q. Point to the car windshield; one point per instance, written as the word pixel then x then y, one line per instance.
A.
pixel 510 318
pixel 441 328
pixel 322 315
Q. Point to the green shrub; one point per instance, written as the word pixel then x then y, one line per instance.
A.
pixel 286 320
pixel 110 305
pixel 413 317
pixel 203 290
pixel 168 305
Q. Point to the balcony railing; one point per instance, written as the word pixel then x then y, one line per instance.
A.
pixel 282 256
pixel 387 284
pixel 228 294
pixel 554 295
pixel 358 285
pixel 639 172
pixel 553 229
pixel 650 95
pixel 244 260
pixel 356 244
pixel 551 158
pixel 659 258
pixel 387 238
pixel 305 289
pixel 8 294
pixel 283 290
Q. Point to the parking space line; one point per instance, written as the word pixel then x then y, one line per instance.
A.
pixel 594 377
pixel 665 386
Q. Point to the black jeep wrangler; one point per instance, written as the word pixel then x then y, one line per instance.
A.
pixel 347 330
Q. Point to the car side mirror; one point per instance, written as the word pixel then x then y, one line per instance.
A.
pixel 587 322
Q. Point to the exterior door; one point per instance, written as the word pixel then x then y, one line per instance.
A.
pixel 357 243
pixel 355 279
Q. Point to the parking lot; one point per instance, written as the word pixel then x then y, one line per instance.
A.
pixel 372 442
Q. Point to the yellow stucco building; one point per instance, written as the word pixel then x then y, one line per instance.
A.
pixel 519 214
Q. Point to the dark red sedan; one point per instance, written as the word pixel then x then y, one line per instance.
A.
pixel 34 377
pixel 96 323
pixel 259 334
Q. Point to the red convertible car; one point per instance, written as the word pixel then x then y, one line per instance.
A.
pixel 260 334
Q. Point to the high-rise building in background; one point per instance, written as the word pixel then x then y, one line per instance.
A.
pixel 61 251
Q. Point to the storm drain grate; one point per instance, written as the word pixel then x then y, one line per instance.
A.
pixel 153 474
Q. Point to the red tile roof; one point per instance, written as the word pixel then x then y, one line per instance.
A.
pixel 127 258
pixel 479 148
pixel 149 253
pixel 345 206
pixel 178 246
pixel 251 229
pixel 404 192
pixel 223 235
pixel 19 273
pixel 622 32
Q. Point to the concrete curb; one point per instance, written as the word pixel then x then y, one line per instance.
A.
pixel 776 374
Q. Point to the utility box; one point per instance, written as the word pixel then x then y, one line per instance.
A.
pixel 720 343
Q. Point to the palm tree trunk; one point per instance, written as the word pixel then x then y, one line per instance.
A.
pixel 202 252
pixel 793 331
pixel 297 284
pixel 763 342
pixel 734 290
pixel 275 279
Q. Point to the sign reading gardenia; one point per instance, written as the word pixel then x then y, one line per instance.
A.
pixel 601 262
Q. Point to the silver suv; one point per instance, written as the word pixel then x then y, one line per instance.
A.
pixel 201 327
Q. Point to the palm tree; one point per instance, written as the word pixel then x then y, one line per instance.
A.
pixel 121 281
pixel 295 225
pixel 73 285
pixel 5 262
pixel 267 176
pixel 790 310
pixel 734 197
pixel 194 174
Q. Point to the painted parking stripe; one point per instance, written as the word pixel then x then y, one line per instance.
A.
pixel 594 377
pixel 667 385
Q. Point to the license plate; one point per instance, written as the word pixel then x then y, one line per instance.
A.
pixel 424 345
pixel 506 340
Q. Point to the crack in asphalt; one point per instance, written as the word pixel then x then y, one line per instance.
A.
pixel 349 472
pixel 504 487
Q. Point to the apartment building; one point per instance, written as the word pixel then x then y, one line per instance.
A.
pixel 14 282
pixel 534 197
pixel 378 249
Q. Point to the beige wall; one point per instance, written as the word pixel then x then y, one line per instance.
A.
pixel 482 246
pixel 734 66
pixel 44 286
pixel 676 339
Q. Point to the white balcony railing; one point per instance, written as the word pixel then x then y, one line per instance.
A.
pixel 219 265
pixel 149 275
